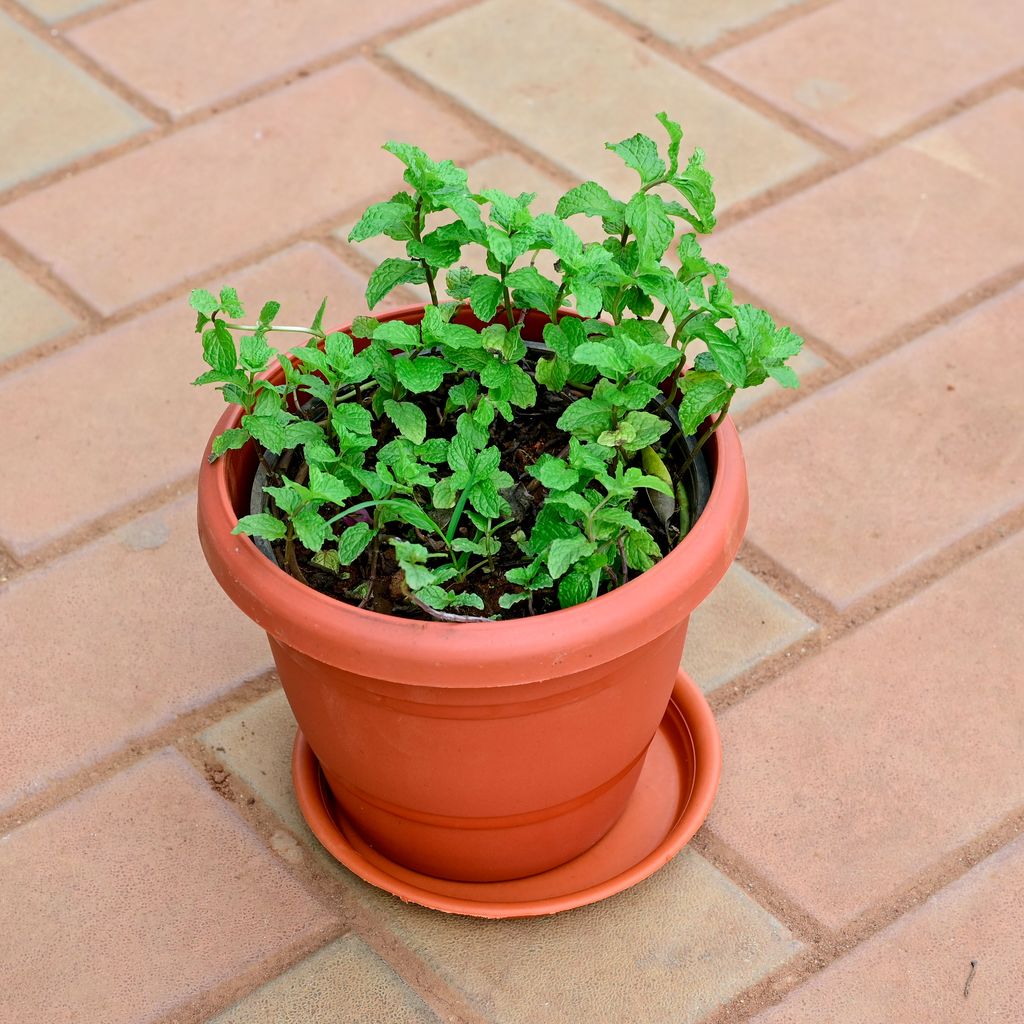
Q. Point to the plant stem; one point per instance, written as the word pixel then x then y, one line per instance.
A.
pixel 417 233
pixel 702 440
pixel 460 507
pixel 444 616
pixel 256 327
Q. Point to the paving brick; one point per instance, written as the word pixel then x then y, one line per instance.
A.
pixel 31 315
pixel 112 642
pixel 61 113
pixel 344 982
pixel 888 751
pixel 917 969
pixel 217 190
pixel 863 69
pixel 135 897
pixel 741 622
pixel 697 22
pixel 130 422
pixel 666 952
pixel 884 243
pixel 56 10
pixel 552 103
pixel 885 467
pixel 155 48
pixel 255 743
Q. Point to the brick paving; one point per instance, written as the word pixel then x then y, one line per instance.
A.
pixel 863 659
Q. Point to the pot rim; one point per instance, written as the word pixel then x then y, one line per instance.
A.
pixel 431 652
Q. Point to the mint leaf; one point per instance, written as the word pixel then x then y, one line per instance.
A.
pixel 391 218
pixel 203 302
pixel 311 528
pixel 728 355
pixel 353 418
pixel 553 473
pixel 648 220
pixel 564 552
pixel 675 136
pixel 703 395
pixel 268 312
pixel 228 441
pixel 230 304
pixel 389 275
pixel 353 542
pixel 263 524
pixel 268 431
pixel 784 375
pixel 640 153
pixel 254 353
pixel 219 348
pixel 574 589
pixel 584 418
pixel 485 296
pixel 592 200
pixel 410 419
pixel 398 334
pixel 421 373
pixel 459 282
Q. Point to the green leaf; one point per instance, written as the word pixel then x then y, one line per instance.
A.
pixel 584 418
pixel 410 419
pixel 203 302
pixel 459 281
pixel 328 560
pixel 327 487
pixel 254 353
pixel 605 357
pixel 268 431
pixel 565 243
pixel 407 512
pixel 728 355
pixel 648 220
pixel 353 418
pixel 574 589
pixel 648 429
pixel 339 350
pixel 485 296
pixel 353 542
pixel 263 524
pixel 552 373
pixel 642 551
pixel 230 304
pixel 553 473
pixel 318 321
pixel 228 441
pixel 640 153
pixel 422 373
pixel 219 348
pixel 588 298
pixel 311 528
pixel 391 218
pixel 566 551
pixel 389 275
pixel 695 184
pixel 533 290
pixel 703 395
pixel 364 326
pixel 784 375
pixel 507 601
pixel 398 334
pixel 268 312
pixel 675 136
pixel 592 200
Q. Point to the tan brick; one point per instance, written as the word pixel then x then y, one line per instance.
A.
pixel 585 84
pixel 255 743
pixel 174 52
pixel 112 642
pixel 741 622
pixel 61 113
pixel 697 22
pixel 667 951
pixel 863 69
pixel 221 188
pixel 875 248
pixel 892 748
pixel 129 420
pixel 885 467
pixel 344 982
pixel 31 315
pixel 126 903
pixel 917 969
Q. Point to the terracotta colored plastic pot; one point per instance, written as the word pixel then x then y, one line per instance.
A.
pixel 481 751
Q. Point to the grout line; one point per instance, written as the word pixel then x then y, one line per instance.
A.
pixel 762 27
pixel 94 13
pixel 833 946
pixel 166 125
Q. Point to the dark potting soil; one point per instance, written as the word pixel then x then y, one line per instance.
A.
pixel 521 443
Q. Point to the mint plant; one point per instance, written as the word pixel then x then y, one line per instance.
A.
pixel 452 467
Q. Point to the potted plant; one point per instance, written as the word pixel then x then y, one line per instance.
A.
pixel 474 530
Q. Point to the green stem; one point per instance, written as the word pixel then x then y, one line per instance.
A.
pixel 417 233
pixel 258 327
pixel 702 440
pixel 460 507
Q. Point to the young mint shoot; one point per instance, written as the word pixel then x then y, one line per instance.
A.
pixel 451 470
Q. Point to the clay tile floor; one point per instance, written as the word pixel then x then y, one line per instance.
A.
pixel 864 861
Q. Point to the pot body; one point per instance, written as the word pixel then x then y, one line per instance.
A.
pixel 482 751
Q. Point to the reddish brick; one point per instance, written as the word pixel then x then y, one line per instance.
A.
pixel 899 743
pixel 882 469
pixel 917 969
pixel 866 252
pixel 126 903
pixel 862 69
pixel 584 84
pixel 215 191
pixel 129 422
pixel 158 48
pixel 112 642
